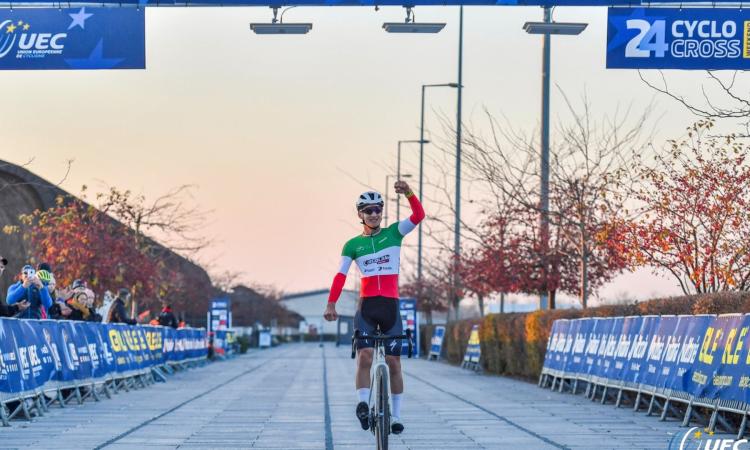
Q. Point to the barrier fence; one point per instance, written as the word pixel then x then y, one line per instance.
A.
pixel 669 363
pixel 47 361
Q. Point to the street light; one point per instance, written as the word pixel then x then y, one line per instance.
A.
pixel 387 185
pixel 421 171
pixel 277 26
pixel 546 29
pixel 398 168
pixel 409 26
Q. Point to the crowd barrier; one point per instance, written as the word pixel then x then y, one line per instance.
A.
pixel 48 361
pixel 657 362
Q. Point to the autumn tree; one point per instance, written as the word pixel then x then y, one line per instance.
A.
pixel 695 221
pixel 82 242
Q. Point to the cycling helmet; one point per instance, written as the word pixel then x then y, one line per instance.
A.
pixel 369 198
pixel 44 276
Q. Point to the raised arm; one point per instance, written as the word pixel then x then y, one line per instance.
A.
pixel 417 214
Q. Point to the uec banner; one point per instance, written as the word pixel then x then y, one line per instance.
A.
pixel 81 38
pixel 704 356
pixel 36 352
pixel 688 39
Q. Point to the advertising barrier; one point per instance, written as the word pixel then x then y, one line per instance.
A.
pixel 35 354
pixel 701 360
pixel 473 350
pixel 436 343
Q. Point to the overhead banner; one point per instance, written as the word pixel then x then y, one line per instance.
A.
pixel 35 352
pixel 72 39
pixel 686 39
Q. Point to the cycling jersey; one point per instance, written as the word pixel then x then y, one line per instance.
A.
pixel 377 257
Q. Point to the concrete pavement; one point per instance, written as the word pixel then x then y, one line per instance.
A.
pixel 276 399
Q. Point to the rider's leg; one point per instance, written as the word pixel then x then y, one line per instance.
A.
pixel 397 391
pixel 362 380
pixel 397 380
pixel 397 383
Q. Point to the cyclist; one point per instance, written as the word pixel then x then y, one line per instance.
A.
pixel 377 254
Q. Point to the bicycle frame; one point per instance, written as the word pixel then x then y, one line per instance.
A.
pixel 380 385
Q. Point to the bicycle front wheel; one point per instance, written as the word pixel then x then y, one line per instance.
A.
pixel 383 412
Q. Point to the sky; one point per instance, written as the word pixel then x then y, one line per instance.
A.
pixel 281 133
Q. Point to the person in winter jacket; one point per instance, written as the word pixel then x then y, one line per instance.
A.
pixel 31 289
pixel 118 314
pixel 167 317
pixel 7 310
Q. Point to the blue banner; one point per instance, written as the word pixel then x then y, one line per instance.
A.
pixel 35 352
pixel 580 331
pixel 409 321
pixel 690 331
pixel 653 366
pixel 686 39
pixel 716 359
pixel 639 348
pixel 74 38
pixel 436 343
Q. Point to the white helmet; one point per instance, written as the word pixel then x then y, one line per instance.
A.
pixel 369 198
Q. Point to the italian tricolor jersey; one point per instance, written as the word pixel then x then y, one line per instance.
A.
pixel 378 257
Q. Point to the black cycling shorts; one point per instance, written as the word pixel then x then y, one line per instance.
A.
pixel 383 313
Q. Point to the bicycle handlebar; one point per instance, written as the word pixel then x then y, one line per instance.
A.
pixel 382 337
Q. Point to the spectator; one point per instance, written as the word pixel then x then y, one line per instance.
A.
pixel 30 288
pixel 167 317
pixel 118 314
pixel 77 307
pixel 5 309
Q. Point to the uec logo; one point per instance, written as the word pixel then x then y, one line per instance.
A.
pixel 29 41
pixel 695 439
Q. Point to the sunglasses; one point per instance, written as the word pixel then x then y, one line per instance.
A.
pixel 374 210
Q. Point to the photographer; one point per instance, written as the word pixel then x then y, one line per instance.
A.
pixel 5 309
pixel 30 288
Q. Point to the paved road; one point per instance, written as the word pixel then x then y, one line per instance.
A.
pixel 275 399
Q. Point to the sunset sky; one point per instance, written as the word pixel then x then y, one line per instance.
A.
pixel 281 133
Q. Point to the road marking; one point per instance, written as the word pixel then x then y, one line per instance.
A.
pixel 327 407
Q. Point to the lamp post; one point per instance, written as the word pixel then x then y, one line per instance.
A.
pixel 457 227
pixel 421 171
pixel 387 184
pixel 547 29
pixel 398 169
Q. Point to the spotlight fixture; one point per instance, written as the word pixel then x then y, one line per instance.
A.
pixel 410 26
pixel 277 26
pixel 565 28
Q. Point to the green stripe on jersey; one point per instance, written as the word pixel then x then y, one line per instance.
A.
pixel 367 245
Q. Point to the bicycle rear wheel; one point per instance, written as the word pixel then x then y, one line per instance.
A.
pixel 383 411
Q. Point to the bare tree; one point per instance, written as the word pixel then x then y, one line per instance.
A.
pixel 170 218
pixel 590 178
pixel 722 95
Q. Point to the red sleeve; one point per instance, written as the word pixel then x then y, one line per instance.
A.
pixel 417 212
pixel 336 287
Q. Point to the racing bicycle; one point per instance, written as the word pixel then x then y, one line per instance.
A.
pixel 380 384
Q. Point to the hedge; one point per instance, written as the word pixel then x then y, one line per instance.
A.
pixel 514 344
